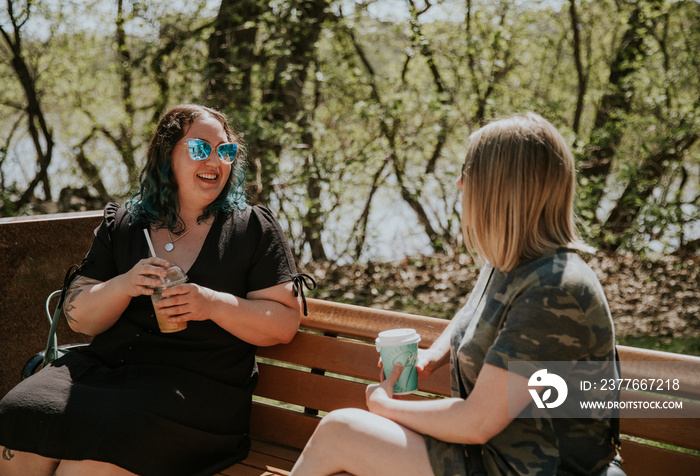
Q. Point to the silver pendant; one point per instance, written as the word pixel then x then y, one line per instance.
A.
pixel 169 247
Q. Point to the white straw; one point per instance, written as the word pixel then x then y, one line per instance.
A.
pixel 150 245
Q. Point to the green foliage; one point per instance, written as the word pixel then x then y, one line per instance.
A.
pixel 363 127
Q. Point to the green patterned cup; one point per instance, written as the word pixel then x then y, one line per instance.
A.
pixel 400 346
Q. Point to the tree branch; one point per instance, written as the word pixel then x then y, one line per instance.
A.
pixel 580 72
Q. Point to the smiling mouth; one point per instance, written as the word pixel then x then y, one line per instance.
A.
pixel 207 176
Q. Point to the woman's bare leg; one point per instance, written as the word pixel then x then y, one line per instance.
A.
pixel 19 463
pixel 361 443
pixel 90 468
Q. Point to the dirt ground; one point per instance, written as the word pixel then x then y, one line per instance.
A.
pixel 648 299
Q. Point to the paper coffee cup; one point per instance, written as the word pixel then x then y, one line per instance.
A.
pixel 175 276
pixel 400 346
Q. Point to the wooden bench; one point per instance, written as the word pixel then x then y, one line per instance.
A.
pixel 329 363
pixel 334 351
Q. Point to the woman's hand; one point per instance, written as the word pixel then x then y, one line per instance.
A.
pixel 186 302
pixel 427 362
pixel 145 275
pixel 267 316
pixel 93 306
pixel 374 394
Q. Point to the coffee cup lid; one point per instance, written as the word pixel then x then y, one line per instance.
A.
pixel 175 276
pixel 394 337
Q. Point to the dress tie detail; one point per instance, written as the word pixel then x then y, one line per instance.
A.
pixel 301 280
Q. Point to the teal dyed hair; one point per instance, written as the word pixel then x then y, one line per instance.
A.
pixel 155 202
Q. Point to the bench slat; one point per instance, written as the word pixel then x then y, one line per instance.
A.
pixel 353 358
pixel 244 469
pixel 638 354
pixel 268 462
pixel 241 469
pixel 281 426
pixel 644 460
pixel 660 373
pixel 356 359
pixel 257 463
pixel 318 392
pixel 264 460
pixel 684 432
pixel 283 452
pixel 688 411
pixel 366 323
pixel 309 390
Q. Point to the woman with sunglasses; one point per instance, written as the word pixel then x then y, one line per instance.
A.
pixel 535 301
pixel 136 400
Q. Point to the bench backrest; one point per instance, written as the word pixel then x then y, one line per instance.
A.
pixel 661 445
pixel 328 365
pixel 35 253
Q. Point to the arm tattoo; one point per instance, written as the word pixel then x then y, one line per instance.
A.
pixel 74 290
pixel 7 454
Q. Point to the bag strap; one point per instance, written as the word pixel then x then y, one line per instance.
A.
pixel 615 421
pixel 51 351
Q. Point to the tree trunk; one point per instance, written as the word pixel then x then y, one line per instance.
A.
pixel 232 57
pixel 232 54
pixel 313 223
pixel 616 103
pixel 124 142
pixel 229 86
pixel 283 97
pixel 174 41
pixel 580 71
pixel 41 134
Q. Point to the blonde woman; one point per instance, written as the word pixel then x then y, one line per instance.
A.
pixel 535 300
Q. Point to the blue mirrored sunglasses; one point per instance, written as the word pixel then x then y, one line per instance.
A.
pixel 200 150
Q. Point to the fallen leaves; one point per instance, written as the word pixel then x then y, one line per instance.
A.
pixel 647 298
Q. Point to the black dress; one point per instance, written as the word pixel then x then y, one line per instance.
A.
pixel 152 403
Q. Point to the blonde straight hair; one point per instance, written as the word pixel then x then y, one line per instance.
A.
pixel 518 186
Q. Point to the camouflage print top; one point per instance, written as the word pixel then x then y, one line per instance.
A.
pixel 549 308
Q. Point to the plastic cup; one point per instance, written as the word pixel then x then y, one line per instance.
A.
pixel 175 276
pixel 400 346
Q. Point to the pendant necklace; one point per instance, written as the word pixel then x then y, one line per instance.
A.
pixel 170 246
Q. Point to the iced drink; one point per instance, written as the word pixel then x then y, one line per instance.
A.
pixel 400 346
pixel 175 276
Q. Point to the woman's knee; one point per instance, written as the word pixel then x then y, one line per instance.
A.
pixel 90 468
pixel 343 419
pixel 345 416
pixel 338 425
pixel 359 442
